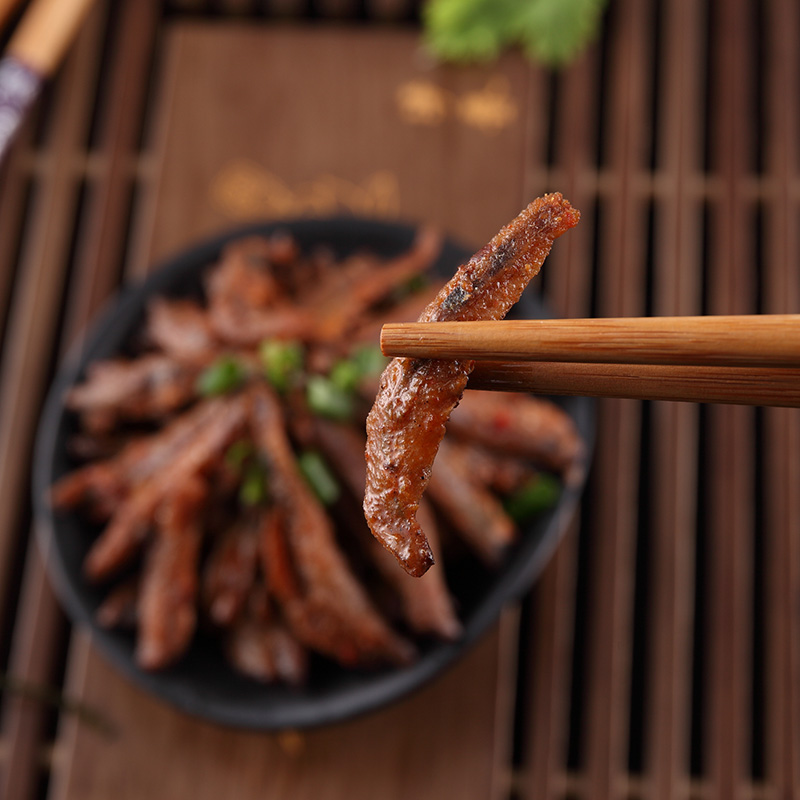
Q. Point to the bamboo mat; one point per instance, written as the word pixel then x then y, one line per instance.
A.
pixel 659 655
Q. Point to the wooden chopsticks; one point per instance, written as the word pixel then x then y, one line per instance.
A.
pixel 750 360
pixel 36 48
pixel 45 32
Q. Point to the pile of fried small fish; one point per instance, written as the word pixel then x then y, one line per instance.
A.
pixel 223 465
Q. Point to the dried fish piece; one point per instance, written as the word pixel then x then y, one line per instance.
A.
pixel 426 602
pixel 230 570
pixel 520 425
pixel 105 484
pixel 167 610
pixel 149 387
pixel 269 574
pixel 408 310
pixel 180 328
pixel 498 471
pixel 338 308
pixel 132 521
pixel 407 422
pixel 246 303
pixel 260 646
pixel 120 607
pixel 332 613
pixel 475 512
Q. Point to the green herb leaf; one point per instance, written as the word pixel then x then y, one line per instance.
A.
pixel 319 477
pixel 253 490
pixel 326 399
pixel 550 31
pixel 416 283
pixel 346 375
pixel 238 453
pixel 555 31
pixel 369 360
pixel 468 30
pixel 283 362
pixel 536 496
pixel 223 376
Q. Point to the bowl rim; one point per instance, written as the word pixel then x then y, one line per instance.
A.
pixel 393 684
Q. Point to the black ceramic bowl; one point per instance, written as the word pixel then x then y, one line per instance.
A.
pixel 203 683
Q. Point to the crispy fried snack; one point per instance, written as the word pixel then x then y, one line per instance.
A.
pixel 426 603
pixel 259 645
pixel 133 519
pixel 246 302
pixel 120 607
pixel 180 328
pixel 416 396
pixel 331 612
pixel 474 511
pixel 340 304
pixel 104 484
pixel 167 609
pixel 230 570
pixel 195 447
pixel 521 425
pixel 150 387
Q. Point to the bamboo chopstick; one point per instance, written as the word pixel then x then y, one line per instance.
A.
pixel 762 341
pixel 45 32
pixel 35 50
pixel 747 360
pixel 757 386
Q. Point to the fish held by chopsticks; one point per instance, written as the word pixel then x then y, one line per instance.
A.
pixel 416 396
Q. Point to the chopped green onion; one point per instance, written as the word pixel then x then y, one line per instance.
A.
pixel 345 375
pixel 223 376
pixel 238 453
pixel 369 360
pixel 326 399
pixel 536 496
pixel 319 477
pixel 282 361
pixel 253 489
pixel 417 283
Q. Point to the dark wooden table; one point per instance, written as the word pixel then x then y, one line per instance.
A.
pixel 659 655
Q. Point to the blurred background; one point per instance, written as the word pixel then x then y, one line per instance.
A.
pixel 659 654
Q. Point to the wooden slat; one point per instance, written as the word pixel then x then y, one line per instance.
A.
pixel 390 9
pixel 502 744
pixel 39 630
pixel 100 249
pixel 238 7
pixel 731 429
pixel 677 290
pixel 191 5
pixel 389 754
pixel 286 8
pixel 39 635
pixel 337 8
pixel 782 427
pixel 616 468
pixel 569 294
pixel 25 358
pixel 35 306
pixel 13 181
pixel 569 266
